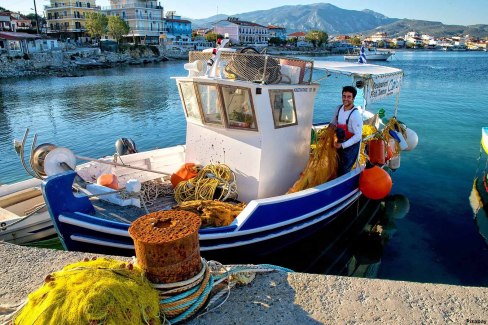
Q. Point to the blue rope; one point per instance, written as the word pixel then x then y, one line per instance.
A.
pixel 196 302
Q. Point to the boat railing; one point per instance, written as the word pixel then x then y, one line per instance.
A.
pixel 258 68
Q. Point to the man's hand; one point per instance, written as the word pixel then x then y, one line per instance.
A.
pixel 337 145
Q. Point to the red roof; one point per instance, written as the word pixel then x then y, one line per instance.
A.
pixel 297 34
pixel 17 36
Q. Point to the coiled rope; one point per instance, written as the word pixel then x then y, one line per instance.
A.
pixel 204 186
pixel 181 300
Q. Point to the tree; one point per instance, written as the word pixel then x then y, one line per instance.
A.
pixel 96 24
pixel 317 37
pixel 356 41
pixel 117 27
pixel 2 9
pixel 275 41
pixel 212 37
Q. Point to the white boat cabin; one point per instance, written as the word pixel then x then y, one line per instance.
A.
pixel 259 125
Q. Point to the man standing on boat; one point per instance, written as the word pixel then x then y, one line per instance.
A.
pixel 349 124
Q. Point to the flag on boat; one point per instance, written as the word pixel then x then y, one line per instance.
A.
pixel 362 56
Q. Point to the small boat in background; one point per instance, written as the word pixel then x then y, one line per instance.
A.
pixel 479 193
pixel 371 53
pixel 24 216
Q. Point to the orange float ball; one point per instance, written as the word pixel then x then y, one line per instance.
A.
pixel 375 183
pixel 108 180
pixel 187 171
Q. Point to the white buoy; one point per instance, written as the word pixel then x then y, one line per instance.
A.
pixel 412 139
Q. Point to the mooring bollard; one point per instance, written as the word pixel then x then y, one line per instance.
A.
pixel 166 245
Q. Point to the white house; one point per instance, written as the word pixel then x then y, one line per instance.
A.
pixel 243 32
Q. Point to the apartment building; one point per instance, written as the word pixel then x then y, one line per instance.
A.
pixel 145 19
pixel 66 18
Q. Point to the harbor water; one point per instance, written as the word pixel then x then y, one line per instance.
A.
pixel 443 100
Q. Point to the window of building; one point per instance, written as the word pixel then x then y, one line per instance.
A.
pixel 210 103
pixel 283 107
pixel 238 107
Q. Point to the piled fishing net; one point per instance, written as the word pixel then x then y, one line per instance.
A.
pixel 213 213
pixel 99 291
pixel 212 182
pixel 322 165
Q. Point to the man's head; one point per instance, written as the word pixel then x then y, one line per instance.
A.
pixel 348 95
pixel 350 89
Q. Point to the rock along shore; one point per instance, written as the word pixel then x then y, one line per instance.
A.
pixel 72 62
pixel 293 298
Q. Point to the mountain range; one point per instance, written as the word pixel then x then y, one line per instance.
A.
pixel 338 21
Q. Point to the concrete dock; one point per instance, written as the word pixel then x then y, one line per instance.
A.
pixel 293 298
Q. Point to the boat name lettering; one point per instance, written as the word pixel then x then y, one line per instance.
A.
pixel 300 90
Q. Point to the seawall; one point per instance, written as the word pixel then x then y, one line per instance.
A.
pixel 294 298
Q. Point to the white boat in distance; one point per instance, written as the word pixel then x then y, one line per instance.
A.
pixel 372 54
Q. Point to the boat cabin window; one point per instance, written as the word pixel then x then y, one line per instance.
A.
pixel 210 103
pixel 190 101
pixel 283 107
pixel 239 108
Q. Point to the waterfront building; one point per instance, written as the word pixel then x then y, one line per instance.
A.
pixel 66 18
pixel 243 32
pixel 277 31
pixel 17 43
pixel 399 42
pixel 300 39
pixel 145 19
pixel 5 21
pixel 177 28
pixel 20 22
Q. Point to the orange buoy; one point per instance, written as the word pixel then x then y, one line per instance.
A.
pixel 187 171
pixel 108 180
pixel 376 152
pixel 375 183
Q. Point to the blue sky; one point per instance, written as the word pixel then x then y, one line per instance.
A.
pixel 462 12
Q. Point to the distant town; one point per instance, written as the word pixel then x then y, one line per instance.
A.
pixel 81 23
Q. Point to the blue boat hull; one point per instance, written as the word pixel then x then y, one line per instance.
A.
pixel 264 226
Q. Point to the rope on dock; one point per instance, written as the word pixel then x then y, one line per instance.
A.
pixel 211 287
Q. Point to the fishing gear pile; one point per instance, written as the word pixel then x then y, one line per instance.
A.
pixel 322 165
pixel 99 291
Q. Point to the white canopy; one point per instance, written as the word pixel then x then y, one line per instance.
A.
pixel 379 81
pixel 356 69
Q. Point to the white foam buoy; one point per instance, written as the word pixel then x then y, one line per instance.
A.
pixel 412 139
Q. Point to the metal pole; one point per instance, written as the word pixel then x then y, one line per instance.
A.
pixel 37 17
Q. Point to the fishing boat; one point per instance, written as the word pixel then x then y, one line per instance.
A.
pixel 251 112
pixel 479 193
pixel 24 216
pixel 371 53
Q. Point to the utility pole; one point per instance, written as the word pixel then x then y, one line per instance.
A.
pixel 37 17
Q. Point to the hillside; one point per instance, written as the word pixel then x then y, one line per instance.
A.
pixel 437 29
pixel 321 16
pixel 336 21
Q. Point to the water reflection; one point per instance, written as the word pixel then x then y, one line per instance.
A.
pixel 351 245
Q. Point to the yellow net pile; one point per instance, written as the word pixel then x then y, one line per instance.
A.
pixel 322 165
pixel 212 182
pixel 100 291
pixel 213 213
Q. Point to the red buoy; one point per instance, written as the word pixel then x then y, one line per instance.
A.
pixel 375 183
pixel 377 152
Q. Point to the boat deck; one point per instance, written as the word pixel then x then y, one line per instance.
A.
pixel 128 214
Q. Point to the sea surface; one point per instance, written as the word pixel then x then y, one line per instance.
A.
pixel 444 99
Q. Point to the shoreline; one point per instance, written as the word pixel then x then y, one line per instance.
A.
pixel 287 298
